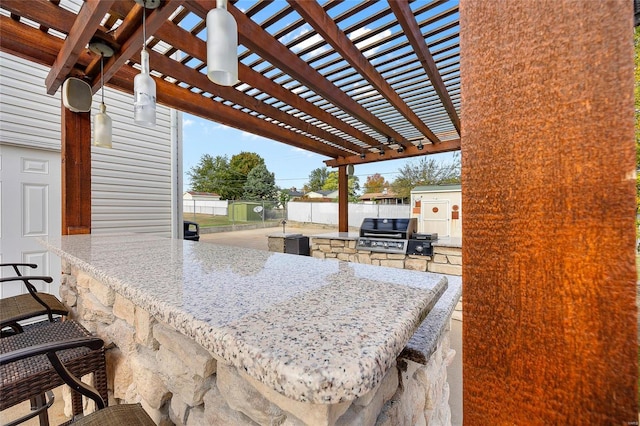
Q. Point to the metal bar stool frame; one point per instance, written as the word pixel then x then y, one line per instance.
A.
pixel 25 306
pixel 31 377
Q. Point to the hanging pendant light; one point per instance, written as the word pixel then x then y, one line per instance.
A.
pixel 102 127
pixel 222 46
pixel 144 87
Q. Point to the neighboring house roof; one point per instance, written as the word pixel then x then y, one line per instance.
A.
pixel 322 193
pixel 438 188
pixel 293 193
pixel 379 196
pixel 202 194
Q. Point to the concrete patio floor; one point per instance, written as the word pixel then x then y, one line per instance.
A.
pixel 257 238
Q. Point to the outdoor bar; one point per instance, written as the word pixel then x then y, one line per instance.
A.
pixel 213 334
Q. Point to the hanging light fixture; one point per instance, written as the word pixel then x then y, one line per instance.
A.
pixel 102 128
pixel 222 46
pixel 144 88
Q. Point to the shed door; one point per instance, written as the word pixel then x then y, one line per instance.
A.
pixel 30 209
pixel 435 217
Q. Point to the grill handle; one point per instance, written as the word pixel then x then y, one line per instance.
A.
pixel 369 234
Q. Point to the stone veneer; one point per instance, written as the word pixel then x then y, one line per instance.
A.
pixel 179 382
pixel 445 259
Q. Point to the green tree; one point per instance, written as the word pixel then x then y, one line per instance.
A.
pixel 426 171
pixel 260 185
pixel 283 198
pixel 211 174
pixel 375 183
pixel 317 179
pixel 223 176
pixel 239 168
pixel 331 184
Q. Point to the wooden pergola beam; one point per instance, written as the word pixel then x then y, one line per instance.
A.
pixel 15 35
pixel 195 47
pixel 31 43
pixel 133 45
pixel 409 25
pixel 166 65
pixel 183 99
pixel 42 11
pixel 87 21
pixel 392 154
pixel 264 44
pixel 315 16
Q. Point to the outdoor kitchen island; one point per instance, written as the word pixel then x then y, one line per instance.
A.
pixel 212 334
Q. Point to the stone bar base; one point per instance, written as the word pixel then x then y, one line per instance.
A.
pixel 445 260
pixel 178 382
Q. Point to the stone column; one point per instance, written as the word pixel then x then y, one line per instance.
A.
pixel 548 172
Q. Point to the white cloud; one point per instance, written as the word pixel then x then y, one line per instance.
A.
pixel 304 152
pixel 306 43
pixel 187 122
pixel 251 136
pixel 362 45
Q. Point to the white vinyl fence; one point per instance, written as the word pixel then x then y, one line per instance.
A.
pixel 327 213
pixel 320 213
pixel 215 208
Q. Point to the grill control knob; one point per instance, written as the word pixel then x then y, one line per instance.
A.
pixel 419 249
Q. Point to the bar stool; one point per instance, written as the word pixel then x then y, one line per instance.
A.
pixel 30 377
pixel 117 415
pixel 26 306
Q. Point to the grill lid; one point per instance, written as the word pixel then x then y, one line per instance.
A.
pixel 394 228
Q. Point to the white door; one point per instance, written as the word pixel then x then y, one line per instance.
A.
pixel 29 209
pixel 435 217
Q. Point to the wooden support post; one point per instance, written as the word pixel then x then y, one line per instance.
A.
pixel 343 199
pixel 548 172
pixel 76 172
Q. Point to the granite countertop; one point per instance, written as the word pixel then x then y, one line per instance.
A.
pixel 454 242
pixel 315 330
pixel 337 236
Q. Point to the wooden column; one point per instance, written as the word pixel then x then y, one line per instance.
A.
pixel 76 172
pixel 343 199
pixel 548 172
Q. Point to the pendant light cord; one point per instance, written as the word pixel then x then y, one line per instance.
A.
pixel 102 74
pixel 144 26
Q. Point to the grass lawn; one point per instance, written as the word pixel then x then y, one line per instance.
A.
pixel 210 221
pixel 207 220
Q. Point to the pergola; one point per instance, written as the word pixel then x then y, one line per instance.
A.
pixel 365 81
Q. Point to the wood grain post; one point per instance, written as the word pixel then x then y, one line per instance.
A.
pixel 343 199
pixel 76 172
pixel 548 172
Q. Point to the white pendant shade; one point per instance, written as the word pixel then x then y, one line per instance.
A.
pixel 144 92
pixel 222 46
pixel 102 135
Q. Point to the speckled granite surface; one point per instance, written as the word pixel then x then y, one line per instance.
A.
pixel 448 242
pixel 314 330
pixel 424 341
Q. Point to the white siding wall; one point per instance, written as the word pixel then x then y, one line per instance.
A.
pixel 131 183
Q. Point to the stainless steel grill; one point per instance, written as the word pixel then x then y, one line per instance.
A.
pixel 386 235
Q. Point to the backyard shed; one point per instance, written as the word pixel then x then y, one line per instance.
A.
pixel 438 209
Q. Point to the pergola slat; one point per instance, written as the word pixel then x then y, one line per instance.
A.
pixel 85 25
pixel 412 30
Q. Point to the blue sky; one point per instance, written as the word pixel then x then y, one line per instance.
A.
pixel 291 165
